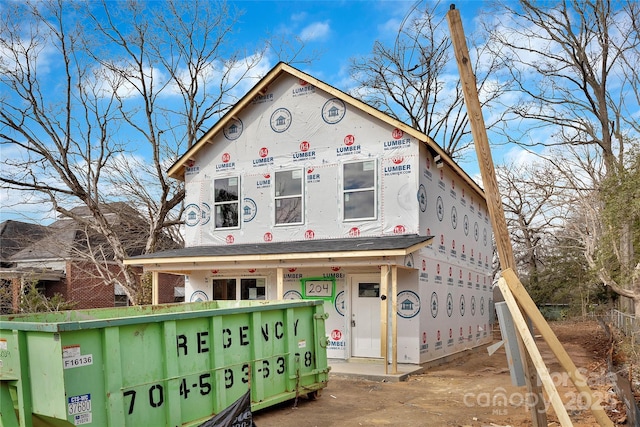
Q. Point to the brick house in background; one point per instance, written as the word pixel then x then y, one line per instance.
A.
pixel 14 235
pixel 56 258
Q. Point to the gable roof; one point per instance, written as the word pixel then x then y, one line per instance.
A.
pixel 177 170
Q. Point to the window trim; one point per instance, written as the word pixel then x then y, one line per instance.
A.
pixel 374 188
pixel 301 196
pixel 238 202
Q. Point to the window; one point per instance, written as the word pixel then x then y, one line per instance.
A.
pixel 359 190
pixel 288 197
pixel 368 290
pixel 224 289
pixel 252 288
pixel 120 298
pixel 226 202
pixel 178 294
pixel 121 301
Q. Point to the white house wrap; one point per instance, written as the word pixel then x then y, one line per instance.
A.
pixel 302 191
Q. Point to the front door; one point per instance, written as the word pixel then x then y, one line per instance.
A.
pixel 365 316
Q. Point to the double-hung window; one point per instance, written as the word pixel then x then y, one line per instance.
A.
pixel 227 202
pixel 289 206
pixel 359 190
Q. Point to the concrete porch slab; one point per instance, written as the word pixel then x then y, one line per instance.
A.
pixel 372 369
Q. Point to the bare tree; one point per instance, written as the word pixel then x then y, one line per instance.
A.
pixel 413 81
pixel 98 99
pixel 574 67
pixel 529 197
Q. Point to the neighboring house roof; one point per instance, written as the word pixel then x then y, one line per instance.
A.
pixel 178 168
pixel 355 247
pixel 15 235
pixel 68 238
pixel 57 243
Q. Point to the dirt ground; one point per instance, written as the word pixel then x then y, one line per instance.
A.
pixel 474 390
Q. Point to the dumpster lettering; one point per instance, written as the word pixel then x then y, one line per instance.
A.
pixel 264 369
pixel 192 343
pixel 156 399
pixel 201 340
pixel 202 384
pixel 229 337
pixel 277 330
pixel 229 376
pixel 155 393
pixel 243 335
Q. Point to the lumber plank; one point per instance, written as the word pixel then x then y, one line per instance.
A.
pixel 530 308
pixel 536 357
pixel 492 193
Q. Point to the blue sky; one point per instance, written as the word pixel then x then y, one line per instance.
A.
pixel 338 30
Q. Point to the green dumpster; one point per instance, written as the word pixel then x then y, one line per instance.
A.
pixel 167 365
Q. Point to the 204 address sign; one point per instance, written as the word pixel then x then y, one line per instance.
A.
pixel 318 288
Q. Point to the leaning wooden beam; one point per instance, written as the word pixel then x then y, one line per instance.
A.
pixel 527 304
pixel 494 201
pixel 505 250
pixel 536 357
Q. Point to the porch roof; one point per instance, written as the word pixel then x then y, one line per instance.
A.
pixel 369 250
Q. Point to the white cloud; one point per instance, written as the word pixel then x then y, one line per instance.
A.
pixel 260 66
pixel 109 79
pixel 22 205
pixel 25 53
pixel 299 17
pixel 390 26
pixel 315 31
pixel 520 157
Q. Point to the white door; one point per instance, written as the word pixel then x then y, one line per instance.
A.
pixel 365 316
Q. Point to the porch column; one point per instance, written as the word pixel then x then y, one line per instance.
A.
pixel 394 318
pixel 384 315
pixel 279 283
pixel 155 294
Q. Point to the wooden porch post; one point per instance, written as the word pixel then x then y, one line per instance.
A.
pixel 155 288
pixel 384 314
pixel 394 318
pixel 279 283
